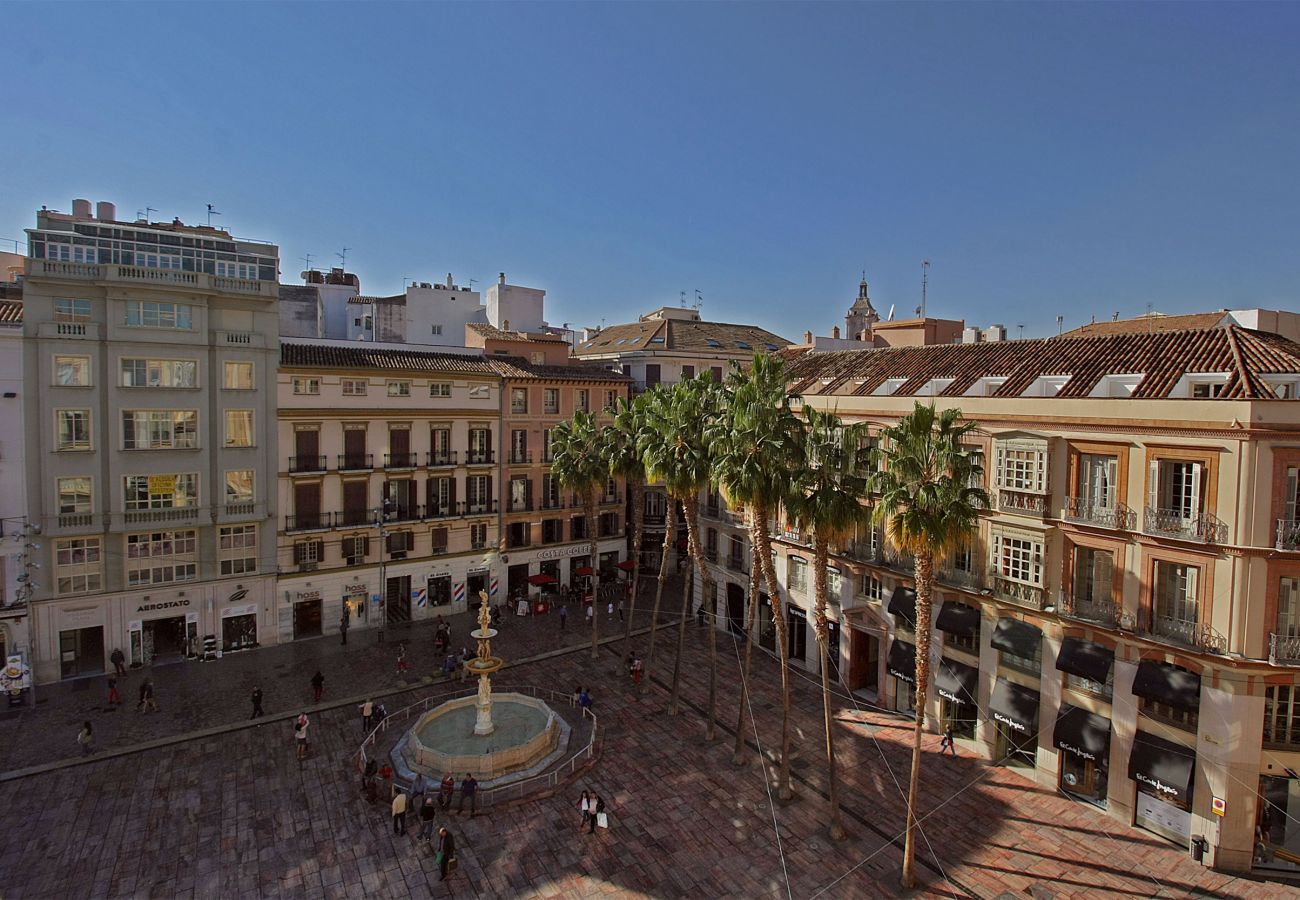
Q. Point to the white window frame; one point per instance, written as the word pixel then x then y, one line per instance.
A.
pixel 519 401
pixel 440 389
pixel 76 366
pixel 1018 557
pixel 159 314
pixel 551 401
pixel 71 309
pixel 237 549
pixel 796 578
pixel 159 373
pixel 1022 466
pixel 153 424
pixel 240 270
pixel 77 506
pixel 582 400
pixel 305 385
pixel 236 366
pixel 400 388
pixel 75 444
pixel 176 550
pixel 234 416
pixel 355 387
pixel 233 492
pixel 78 565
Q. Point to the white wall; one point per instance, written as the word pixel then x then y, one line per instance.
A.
pixel 521 307
pixel 334 305
pixel 452 309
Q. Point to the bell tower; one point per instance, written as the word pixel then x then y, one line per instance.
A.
pixel 861 316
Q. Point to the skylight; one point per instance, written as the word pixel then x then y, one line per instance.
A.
pixel 743 346
pixel 656 340
pixel 772 347
pixel 712 343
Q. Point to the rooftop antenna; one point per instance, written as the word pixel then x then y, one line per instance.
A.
pixel 1151 319
pixel 925 275
pixel 144 213
pixel 1060 325
pixel 343 258
pixel 1021 326
pixel 307 261
pixel 682 300
pixel 211 212
pixel 699 299
pixel 472 282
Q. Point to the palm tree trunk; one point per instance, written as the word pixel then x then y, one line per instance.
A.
pixel 638 530
pixel 822 553
pixel 924 589
pixel 688 594
pixel 738 756
pixel 693 544
pixel 654 615
pixel 595 571
pixel 783 790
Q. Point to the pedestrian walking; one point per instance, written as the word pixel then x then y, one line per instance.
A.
pixel 584 699
pixel 445 790
pixel 948 743
pixel 584 804
pixel 446 857
pixel 317 685
pixel 381 713
pixel 609 609
pixel 699 615
pixel 427 812
pixel 114 698
pixel 468 791
pixel 86 738
pixel 597 813
pixel 591 611
pixel 449 666
pixel 564 615
pixel 344 622
pixel 379 629
pixel 300 735
pixel 118 661
pixel 147 702
pixel 401 659
pixel 367 712
pixel 399 813
pixel 418 788
pixel 636 669
pixel 257 703
pixel 577 692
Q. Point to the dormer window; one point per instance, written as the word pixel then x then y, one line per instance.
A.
pixel 888 387
pixel 1206 390
pixel 985 387
pixel 1117 385
pixel 936 386
pixel 1046 386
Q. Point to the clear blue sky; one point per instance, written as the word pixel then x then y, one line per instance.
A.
pixel 1072 159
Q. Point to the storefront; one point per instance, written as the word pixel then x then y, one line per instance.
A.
pixel 307 615
pixel 957 685
pixel 1087 661
pixel 864 660
pixel 166 632
pixel 901 666
pixel 81 651
pixel 1163 771
pixel 239 627
pixel 796 624
pixel 517 580
pixel 736 609
pixel 1277 824
pixel 766 624
pixel 1084 741
pixel 1014 708
pixel 356 605
pixel 902 606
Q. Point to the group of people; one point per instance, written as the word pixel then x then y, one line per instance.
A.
pixel 417 802
pixel 593 812
pixel 634 667
pixel 581 697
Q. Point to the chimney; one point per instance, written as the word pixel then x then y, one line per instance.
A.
pixel 501 278
pixel 81 209
pixel 807 338
pixel 105 211
pixel 449 284
pixel 505 324
pixel 835 332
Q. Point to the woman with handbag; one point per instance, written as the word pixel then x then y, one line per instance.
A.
pixel 585 805
pixel 598 813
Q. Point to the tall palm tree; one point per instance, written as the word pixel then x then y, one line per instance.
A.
pixel 832 486
pixel 621 455
pixel 754 442
pixel 577 464
pixel 928 506
pixel 676 452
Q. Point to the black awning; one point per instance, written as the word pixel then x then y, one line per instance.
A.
pixel 1164 683
pixel 902 661
pixel 1015 706
pixel 1016 637
pixel 959 619
pixel 902 603
pixel 1085 659
pixel 1162 767
pixel 957 682
pixel 1085 734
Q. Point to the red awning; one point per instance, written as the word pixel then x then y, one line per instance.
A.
pixel 583 570
pixel 627 565
pixel 542 579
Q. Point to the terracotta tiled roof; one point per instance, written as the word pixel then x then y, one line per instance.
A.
pixel 1161 359
pixel 496 334
pixel 11 313
pixel 674 335
pixel 1148 324
pixel 362 357
pixel 516 367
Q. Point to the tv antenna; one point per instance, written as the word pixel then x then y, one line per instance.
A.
pixel 925 275
pixel 472 282
pixel 1060 325
pixel 306 261
pixel 1021 326
pixel 343 258
pixel 144 213
pixel 682 299
pixel 212 211
pixel 699 300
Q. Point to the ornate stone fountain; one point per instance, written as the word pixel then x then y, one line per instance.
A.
pixel 484 665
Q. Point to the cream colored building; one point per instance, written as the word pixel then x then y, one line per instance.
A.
pixel 1126 624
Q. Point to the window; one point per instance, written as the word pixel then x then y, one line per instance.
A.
pixel 582 400
pixel 1094 577
pixel 477 488
pixel 245 271
pixel 152 314
pixel 652 374
pixel 354 387
pixel 399 388
pixel 1282 715
pixel 478 535
pixel 438 540
pixel 1088 686
pixel 716 373
pixel 1018 559
pixel 77 565
pixel 1206 390
pixel 688 372
pixel 440 389
pixel 611 401
pixel 160 373
pixel 161 557
pixel 157 260
pixel 1098 481
pixel 307 555
pixel 71 310
pixel 238 376
pixel 74 495
pixel 1175 487
pixel 1288 608
pixel 1187 719
pixel 306 385
pixel 72 371
pixel 797 580
pixel 872 588
pixel 70 253
pixel 72 429
pixel 237 546
pixel 355 548
pixel 160 429
pixel 480 391
pixel 519 446
pixel 1030 665
pixel 551 401
pixel 436 329
pixel 400 542
pixel 239 428
pixel 519 400
pixel 1022 467
pixel 1175 598
pixel 833 585
pixel 239 486
pixel 161 491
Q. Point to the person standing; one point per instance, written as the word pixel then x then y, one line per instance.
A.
pixel 300 735
pixel 114 698
pixel 367 711
pixel 118 661
pixel 401 659
pixel 427 812
pixel 609 609
pixel 584 804
pixel 379 629
pixel 446 853
pixel 948 743
pixel 344 622
pixel 257 703
pixel 564 615
pixel 147 701
pixel 418 788
pixel 636 669
pixel 317 685
pixel 445 790
pixel 597 810
pixel 468 791
pixel 591 611
pixel 399 813
pixel 86 738
pixel 620 609
pixel 584 699
pixel 699 614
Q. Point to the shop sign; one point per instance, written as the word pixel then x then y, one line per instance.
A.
pixel 162 484
pixel 307 596
pixel 1012 723
pixel 16 677
pixel 350 589
pixel 1219 806
pixel 80 617
pixel 1156 783
pixel 249 610
pixel 1077 751
pixel 166 604
pixel 562 552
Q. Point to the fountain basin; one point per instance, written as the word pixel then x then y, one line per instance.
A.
pixel 443 740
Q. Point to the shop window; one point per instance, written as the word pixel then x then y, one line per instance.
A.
pixel 1186 719
pixel 1282 716
pixel 1088 686
pixel 797 577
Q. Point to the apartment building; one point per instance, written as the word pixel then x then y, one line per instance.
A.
pixel 1125 626
pixel 15 528
pixel 149 355
pixel 389 482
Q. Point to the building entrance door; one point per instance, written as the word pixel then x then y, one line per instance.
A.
pixel 398 599
pixel 736 608
pixel 164 640
pixel 307 619
pixel 477 581
pixel 864 661
pixel 81 652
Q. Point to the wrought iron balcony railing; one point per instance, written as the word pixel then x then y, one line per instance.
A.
pixel 1116 515
pixel 1176 523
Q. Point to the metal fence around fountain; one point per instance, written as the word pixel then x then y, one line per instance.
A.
pixel 514 791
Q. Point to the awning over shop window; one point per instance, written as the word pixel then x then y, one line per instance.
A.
pixel 1085 659
pixel 1085 734
pixel 957 682
pixel 902 603
pixel 959 619
pixel 1016 637
pixel 1015 706
pixel 1162 767
pixel 1164 683
pixel 902 661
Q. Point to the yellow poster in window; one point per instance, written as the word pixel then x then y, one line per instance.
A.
pixel 162 484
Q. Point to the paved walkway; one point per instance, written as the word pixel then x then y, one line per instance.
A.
pixel 234 815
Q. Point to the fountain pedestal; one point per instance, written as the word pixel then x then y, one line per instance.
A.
pixel 483 665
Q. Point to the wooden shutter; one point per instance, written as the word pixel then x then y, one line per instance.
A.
pixel 1153 484
pixel 1195 507
pixel 306 443
pixel 1292 493
pixel 354 445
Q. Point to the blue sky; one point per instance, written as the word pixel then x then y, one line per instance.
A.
pixel 1071 159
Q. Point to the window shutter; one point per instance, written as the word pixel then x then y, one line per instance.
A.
pixel 1153 484
pixel 451 493
pixel 1195 506
pixel 1292 493
pixel 995 563
pixel 1110 497
pixel 1190 605
pixel 298 552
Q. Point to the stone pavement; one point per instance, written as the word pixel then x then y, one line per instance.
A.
pixel 234 815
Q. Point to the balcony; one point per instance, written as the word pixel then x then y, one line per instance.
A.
pixel 438 458
pixel 480 507
pixel 711 554
pixel 314 521
pixel 153 516
pixel 737 564
pixel 1021 503
pixel 860 551
pixel 402 512
pixel 521 457
pixel 1018 592
pixel 1176 524
pixel 175 278
pixel 610 500
pixel 1283 649
pixel 76 520
pixel 479 458
pixel 1098 609
pixel 514 542
pixel 356 462
pixel 357 517
pixel 709 512
pixel 299 465
pixel 734 517
pixel 1117 517
pixel 552 503
pixel 514 506
pixel 239 510
pixel 962 578
pixel 400 460
pixel 1288 534
pixel 88 331
pixel 441 510
pixel 1190 634
pixel 899 562
pixel 795 536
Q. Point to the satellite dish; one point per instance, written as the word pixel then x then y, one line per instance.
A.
pixel 891 313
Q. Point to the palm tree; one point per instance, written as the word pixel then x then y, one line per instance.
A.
pixel 928 506
pixel 577 464
pixel 621 455
pixel 829 503
pixel 753 441
pixel 676 452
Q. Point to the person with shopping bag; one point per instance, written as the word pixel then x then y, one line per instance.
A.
pixel 598 816
pixel 446 857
